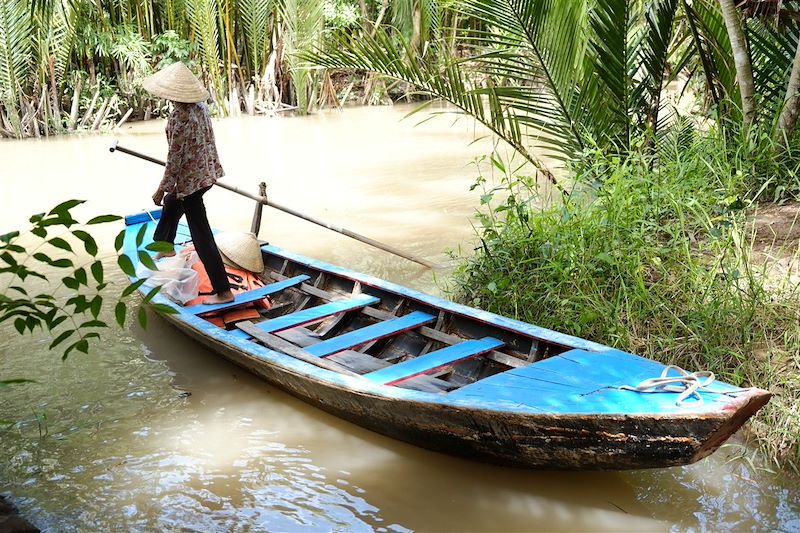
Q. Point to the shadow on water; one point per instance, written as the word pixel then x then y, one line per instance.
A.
pixel 410 486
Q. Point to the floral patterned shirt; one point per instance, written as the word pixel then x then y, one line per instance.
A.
pixel 192 161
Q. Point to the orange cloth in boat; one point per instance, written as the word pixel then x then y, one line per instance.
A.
pixel 241 281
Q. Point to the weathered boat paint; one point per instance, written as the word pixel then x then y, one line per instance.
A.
pixel 482 424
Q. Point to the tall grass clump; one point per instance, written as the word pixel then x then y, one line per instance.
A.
pixel 652 257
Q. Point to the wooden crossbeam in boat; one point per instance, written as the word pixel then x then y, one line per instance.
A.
pixel 248 296
pixel 315 314
pixel 431 333
pixel 276 343
pixel 433 360
pixel 373 332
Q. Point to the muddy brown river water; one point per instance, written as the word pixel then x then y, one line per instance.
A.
pixel 110 441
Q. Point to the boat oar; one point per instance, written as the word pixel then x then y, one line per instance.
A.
pixel 263 200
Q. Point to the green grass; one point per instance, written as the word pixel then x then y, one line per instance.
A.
pixel 655 259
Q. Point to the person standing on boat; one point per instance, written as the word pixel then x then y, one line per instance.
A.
pixel 192 169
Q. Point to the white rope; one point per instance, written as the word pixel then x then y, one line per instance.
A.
pixel 687 383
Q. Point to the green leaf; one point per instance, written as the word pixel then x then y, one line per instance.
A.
pixel 80 276
pixel 140 235
pixel 102 219
pixel 132 287
pixel 61 338
pixel 164 308
pixel 36 218
pixel 119 241
pixel 39 232
pixel 88 242
pixel 82 346
pixel 8 236
pixel 93 324
pixel 18 289
pixel 120 313
pixel 126 265
pixel 19 325
pixel 62 263
pixel 58 242
pixel 63 208
pixel 9 259
pixel 97 271
pixel 55 322
pixel 142 315
pixel 160 246
pixel 146 260
pixel 96 306
pixel 151 294
pixel 70 283
pixel 42 258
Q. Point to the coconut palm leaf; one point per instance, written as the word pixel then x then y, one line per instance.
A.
pixel 305 21
pixel 254 16
pixel 15 54
pixel 542 74
pixel 203 21
pixel 654 54
pixel 713 47
pixel 772 54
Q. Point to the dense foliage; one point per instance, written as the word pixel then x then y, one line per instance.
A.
pixel 648 246
pixel 78 64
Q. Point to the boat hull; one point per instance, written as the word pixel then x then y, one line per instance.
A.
pixel 537 441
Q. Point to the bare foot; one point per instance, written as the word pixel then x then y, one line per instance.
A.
pixel 221 298
pixel 159 255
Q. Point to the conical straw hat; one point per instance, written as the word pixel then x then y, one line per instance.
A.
pixel 240 250
pixel 177 83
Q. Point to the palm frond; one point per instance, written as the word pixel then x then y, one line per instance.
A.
pixel 203 20
pixel 15 53
pixel 653 55
pixel 711 43
pixel 254 16
pixel 305 22
pixel 772 55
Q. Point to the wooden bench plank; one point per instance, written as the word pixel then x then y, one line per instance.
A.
pixel 314 314
pixel 370 333
pixel 276 343
pixel 431 333
pixel 358 362
pixel 248 296
pixel 433 360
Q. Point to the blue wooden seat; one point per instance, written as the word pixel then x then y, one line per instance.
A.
pixel 369 333
pixel 248 296
pixel 314 314
pixel 433 360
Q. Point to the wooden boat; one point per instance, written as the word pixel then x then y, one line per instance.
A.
pixel 455 379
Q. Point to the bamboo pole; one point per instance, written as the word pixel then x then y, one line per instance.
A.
pixel 265 201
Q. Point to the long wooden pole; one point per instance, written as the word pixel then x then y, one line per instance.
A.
pixel 263 200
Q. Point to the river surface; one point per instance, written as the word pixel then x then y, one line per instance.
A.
pixel 152 432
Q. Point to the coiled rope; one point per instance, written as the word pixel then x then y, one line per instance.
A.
pixel 687 383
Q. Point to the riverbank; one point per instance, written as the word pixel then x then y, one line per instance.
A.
pixel 11 521
pixel 675 262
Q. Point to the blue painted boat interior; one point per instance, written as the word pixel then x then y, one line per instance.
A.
pixel 582 378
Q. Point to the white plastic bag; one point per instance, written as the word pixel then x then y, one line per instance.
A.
pixel 178 281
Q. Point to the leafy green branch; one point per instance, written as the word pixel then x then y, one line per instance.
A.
pixel 73 322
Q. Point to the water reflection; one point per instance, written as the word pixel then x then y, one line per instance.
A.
pixel 124 448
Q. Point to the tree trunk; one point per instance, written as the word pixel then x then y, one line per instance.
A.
pixel 791 105
pixel 741 57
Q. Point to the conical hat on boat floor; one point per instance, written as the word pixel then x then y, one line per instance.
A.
pixel 240 250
